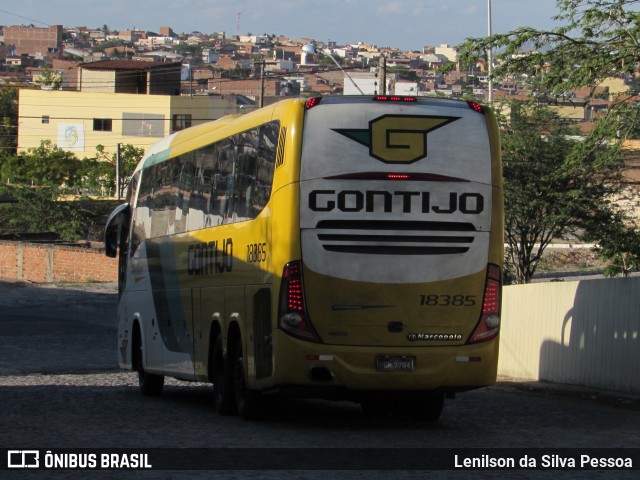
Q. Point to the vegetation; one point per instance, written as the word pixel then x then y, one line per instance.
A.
pixel 40 210
pixel 8 119
pixel 595 40
pixel 56 192
pixel 110 44
pixel 48 80
pixel 553 187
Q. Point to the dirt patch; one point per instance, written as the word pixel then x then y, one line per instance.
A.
pixel 570 260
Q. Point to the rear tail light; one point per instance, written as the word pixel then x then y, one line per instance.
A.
pixel 292 314
pixel 394 98
pixel 312 102
pixel 489 324
pixel 476 106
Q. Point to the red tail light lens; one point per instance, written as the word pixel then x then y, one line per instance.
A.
pixel 394 98
pixel 475 106
pixel 398 176
pixel 292 315
pixel 489 324
pixel 312 102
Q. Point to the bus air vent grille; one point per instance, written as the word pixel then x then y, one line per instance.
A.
pixel 281 143
pixel 395 237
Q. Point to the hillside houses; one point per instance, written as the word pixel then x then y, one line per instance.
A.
pixel 254 69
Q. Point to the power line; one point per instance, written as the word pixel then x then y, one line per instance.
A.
pixel 25 18
pixel 174 69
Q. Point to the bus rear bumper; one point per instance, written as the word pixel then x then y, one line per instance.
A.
pixel 446 368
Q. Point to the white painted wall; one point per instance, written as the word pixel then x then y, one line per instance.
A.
pixel 583 333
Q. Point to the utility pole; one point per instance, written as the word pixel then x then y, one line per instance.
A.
pixel 261 102
pixel 118 152
pixel 490 53
pixel 383 86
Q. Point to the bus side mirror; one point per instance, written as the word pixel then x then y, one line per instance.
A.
pixel 117 223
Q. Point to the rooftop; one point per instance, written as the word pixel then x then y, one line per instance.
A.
pixel 125 65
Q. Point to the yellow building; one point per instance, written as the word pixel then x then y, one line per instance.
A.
pixel 118 102
pixel 79 121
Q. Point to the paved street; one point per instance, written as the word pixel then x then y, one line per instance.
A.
pixel 47 329
pixel 59 389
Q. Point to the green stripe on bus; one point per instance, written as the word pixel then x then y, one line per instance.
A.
pixel 157 158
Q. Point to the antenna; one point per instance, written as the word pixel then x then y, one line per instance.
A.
pixel 238 24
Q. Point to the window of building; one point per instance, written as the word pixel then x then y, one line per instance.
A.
pixel 143 124
pixel 101 124
pixel 180 122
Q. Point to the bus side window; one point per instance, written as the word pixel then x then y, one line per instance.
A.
pixel 141 228
pixel 226 166
pixel 246 174
pixel 265 165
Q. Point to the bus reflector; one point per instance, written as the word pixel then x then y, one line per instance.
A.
pixel 312 102
pixel 292 313
pixel 489 324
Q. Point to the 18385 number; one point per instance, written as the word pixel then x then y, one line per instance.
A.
pixel 256 252
pixel 448 300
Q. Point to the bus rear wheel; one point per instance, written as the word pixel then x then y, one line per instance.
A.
pixel 150 384
pixel 426 407
pixel 248 402
pixel 222 380
pixel 376 405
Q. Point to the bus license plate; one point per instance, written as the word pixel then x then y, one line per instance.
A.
pixel 387 363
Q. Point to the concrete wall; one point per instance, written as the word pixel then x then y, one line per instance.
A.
pixel 582 333
pixel 37 263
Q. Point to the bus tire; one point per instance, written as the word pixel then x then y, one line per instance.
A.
pixel 376 406
pixel 222 380
pixel 150 384
pixel 427 407
pixel 248 401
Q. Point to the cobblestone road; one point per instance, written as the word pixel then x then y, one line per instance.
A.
pixel 59 389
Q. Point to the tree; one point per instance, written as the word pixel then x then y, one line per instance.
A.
pixel 48 80
pixel 598 40
pixel 8 120
pixel 116 42
pixel 40 210
pixel 43 165
pixel 327 63
pixel 595 40
pixel 99 173
pixel 552 186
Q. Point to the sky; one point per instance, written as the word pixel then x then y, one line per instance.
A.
pixel 403 24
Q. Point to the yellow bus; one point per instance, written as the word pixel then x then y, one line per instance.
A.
pixel 342 247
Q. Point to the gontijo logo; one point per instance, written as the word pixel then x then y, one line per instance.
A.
pixel 397 138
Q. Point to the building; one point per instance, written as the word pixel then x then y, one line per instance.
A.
pixel 167 32
pixel 448 51
pixel 33 41
pixel 120 101
pixel 130 76
pixel 367 83
pixel 68 70
pixel 80 121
